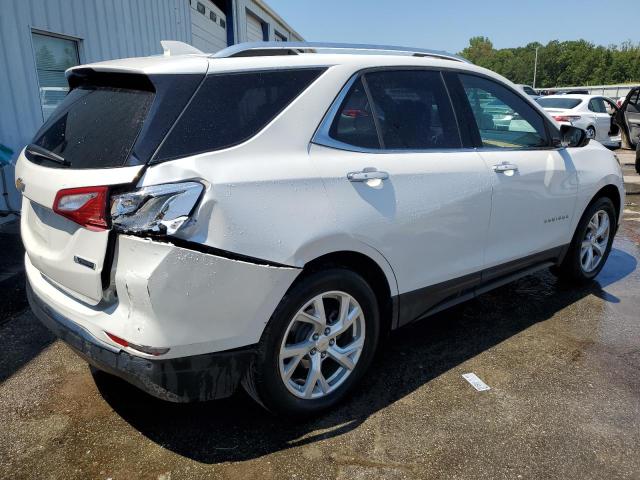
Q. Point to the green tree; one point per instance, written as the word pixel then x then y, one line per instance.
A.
pixel 576 62
pixel 480 49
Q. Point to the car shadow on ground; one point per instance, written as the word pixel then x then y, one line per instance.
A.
pixel 237 429
pixel 22 337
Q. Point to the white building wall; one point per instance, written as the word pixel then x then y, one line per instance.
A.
pixel 104 29
pixel 208 35
pixel 262 11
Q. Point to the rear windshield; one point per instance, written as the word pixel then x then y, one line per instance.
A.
pixel 94 127
pixel 231 108
pixel 563 103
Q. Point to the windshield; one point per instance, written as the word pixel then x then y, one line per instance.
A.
pixel 563 103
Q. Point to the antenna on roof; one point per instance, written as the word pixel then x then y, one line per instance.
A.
pixel 174 47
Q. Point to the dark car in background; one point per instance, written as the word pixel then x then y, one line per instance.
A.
pixel 628 117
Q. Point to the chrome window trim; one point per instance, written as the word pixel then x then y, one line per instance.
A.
pixel 322 137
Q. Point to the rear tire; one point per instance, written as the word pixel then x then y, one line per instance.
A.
pixel 312 379
pixel 591 243
pixel 591 132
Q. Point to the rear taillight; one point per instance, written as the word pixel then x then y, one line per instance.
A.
pixel 157 209
pixel 566 118
pixel 87 206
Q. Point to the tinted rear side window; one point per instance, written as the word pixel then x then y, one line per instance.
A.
pixel 413 110
pixel 95 126
pixel 231 108
pixel 354 123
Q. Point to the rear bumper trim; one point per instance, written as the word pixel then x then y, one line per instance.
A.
pixel 194 378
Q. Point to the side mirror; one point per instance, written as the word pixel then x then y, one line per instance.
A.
pixel 571 136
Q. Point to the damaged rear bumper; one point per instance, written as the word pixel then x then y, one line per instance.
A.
pixel 193 378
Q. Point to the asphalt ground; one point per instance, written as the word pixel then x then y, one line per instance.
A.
pixel 562 364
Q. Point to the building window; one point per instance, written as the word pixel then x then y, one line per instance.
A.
pixel 223 24
pixel 280 37
pixel 53 56
pixel 200 8
pixel 212 16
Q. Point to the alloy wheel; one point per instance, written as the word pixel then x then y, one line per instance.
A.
pixel 322 345
pixel 595 241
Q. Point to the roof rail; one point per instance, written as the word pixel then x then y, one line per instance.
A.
pixel 256 49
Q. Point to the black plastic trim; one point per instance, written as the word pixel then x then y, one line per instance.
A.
pixel 185 379
pixel 424 302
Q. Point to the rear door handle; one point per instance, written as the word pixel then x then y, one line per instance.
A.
pixel 505 167
pixel 365 176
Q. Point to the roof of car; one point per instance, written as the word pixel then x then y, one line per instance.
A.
pixel 355 56
pixel 183 58
pixel 200 63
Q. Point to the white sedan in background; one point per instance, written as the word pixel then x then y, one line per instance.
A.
pixel 592 113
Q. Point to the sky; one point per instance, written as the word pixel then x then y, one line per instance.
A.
pixel 448 24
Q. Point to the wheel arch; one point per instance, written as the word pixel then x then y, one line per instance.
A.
pixel 375 275
pixel 610 191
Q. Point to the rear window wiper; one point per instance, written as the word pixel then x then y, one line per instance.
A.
pixel 38 151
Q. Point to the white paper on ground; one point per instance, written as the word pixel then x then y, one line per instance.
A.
pixel 475 381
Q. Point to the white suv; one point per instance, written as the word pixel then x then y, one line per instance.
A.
pixel 263 216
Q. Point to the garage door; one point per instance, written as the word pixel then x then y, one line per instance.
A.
pixel 254 29
pixel 208 26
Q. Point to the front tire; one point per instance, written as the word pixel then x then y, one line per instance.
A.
pixel 317 344
pixel 591 243
pixel 591 132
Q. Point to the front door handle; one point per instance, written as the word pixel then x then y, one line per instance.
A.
pixel 505 167
pixel 364 176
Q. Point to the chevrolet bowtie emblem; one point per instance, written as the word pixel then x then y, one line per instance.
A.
pixel 20 185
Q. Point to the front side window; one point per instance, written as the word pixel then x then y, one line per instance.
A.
pixel 504 119
pixel 634 103
pixel 411 111
pixel 230 108
pixel 53 56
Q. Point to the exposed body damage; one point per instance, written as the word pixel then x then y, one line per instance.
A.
pixel 226 298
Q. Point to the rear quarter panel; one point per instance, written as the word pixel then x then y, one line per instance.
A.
pixel 265 198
